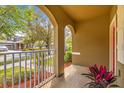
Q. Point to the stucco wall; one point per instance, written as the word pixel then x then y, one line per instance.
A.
pixel 119 10
pixel 120 44
pixel 120 74
pixel 91 40
pixel 113 12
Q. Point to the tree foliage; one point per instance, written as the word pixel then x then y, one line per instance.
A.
pixel 37 30
pixel 38 35
pixel 68 45
pixel 8 20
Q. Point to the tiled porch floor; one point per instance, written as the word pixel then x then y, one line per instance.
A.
pixel 71 79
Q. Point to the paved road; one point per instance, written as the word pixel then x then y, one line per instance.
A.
pixel 9 56
pixel 28 65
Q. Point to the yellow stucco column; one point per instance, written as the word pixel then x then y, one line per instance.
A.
pixel 59 51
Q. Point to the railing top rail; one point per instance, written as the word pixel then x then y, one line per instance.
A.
pixel 32 51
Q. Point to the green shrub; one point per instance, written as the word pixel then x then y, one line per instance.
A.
pixel 68 56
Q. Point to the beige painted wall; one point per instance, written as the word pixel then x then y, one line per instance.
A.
pixel 120 44
pixel 113 12
pixel 119 10
pixel 91 40
pixel 120 74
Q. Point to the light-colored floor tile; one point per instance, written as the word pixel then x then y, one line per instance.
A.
pixel 71 79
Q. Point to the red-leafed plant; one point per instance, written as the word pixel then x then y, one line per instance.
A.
pixel 100 77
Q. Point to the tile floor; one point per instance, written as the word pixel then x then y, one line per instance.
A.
pixel 71 79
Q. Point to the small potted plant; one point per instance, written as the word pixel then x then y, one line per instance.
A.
pixel 100 77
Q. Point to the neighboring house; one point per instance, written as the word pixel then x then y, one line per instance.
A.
pixel 12 45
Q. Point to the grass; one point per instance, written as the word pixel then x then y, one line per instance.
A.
pixel 16 75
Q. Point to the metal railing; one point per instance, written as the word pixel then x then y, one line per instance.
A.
pixel 26 69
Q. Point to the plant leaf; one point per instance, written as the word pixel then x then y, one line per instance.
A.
pixel 89 83
pixel 114 85
pixel 90 77
pixel 86 74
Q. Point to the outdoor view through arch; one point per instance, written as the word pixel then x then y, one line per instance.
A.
pixel 26 46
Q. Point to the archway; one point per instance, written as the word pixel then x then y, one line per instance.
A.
pixel 68 35
pixel 31 66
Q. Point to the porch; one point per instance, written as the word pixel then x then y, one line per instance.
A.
pixel 90 26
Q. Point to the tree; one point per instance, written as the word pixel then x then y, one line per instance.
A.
pixel 49 38
pixel 40 34
pixel 8 20
pixel 37 29
pixel 14 19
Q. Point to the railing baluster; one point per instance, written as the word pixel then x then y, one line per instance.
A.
pixel 4 70
pixel 19 70
pixel 46 57
pixel 34 69
pixel 53 61
pixel 38 70
pixel 13 70
pixel 40 73
pixel 30 70
pixel 43 66
pixel 40 67
pixel 50 61
pixel 48 64
pixel 25 70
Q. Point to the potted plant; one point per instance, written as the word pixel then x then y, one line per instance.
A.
pixel 100 77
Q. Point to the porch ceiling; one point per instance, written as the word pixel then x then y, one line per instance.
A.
pixel 85 12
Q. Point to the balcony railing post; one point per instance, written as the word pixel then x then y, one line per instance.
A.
pixel 50 63
pixel 34 69
pixel 4 70
pixel 47 66
pixel 30 70
pixel 25 70
pixel 13 71
pixel 19 70
pixel 43 66
pixel 38 68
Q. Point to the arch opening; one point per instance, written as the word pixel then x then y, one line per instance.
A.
pixel 68 35
pixel 31 43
